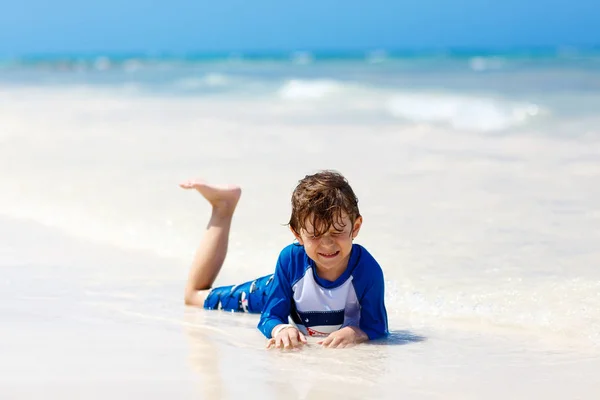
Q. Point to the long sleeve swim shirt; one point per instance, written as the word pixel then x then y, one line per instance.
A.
pixel 319 307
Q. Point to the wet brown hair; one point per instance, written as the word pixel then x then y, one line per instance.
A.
pixel 323 197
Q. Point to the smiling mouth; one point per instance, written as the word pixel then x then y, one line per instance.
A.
pixel 329 255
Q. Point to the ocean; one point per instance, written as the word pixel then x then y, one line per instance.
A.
pixel 478 177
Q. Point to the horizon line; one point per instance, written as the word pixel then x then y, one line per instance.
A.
pixel 398 52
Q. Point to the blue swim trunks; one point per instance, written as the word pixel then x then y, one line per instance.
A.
pixel 248 297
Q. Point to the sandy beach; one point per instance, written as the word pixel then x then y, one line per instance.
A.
pixel 487 232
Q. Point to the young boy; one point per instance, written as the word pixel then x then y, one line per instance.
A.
pixel 327 285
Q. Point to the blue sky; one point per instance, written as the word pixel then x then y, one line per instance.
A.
pixel 69 26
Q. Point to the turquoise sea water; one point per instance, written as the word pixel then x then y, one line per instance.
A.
pixel 486 90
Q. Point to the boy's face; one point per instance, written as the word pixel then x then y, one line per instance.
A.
pixel 331 250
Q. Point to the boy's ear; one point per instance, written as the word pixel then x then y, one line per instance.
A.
pixel 297 236
pixel 356 227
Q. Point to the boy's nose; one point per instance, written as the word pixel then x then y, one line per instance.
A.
pixel 327 240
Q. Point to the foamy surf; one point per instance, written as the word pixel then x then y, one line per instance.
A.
pixel 307 90
pixel 208 80
pixel 458 112
pixel 462 112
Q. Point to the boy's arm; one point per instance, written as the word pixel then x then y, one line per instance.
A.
pixel 373 315
pixel 279 301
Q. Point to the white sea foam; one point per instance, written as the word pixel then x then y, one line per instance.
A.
pixel 208 80
pixel 461 112
pixel 480 64
pixel 456 111
pixel 297 89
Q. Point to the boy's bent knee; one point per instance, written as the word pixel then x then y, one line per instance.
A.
pixel 195 298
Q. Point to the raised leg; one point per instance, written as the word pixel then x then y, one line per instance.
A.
pixel 212 249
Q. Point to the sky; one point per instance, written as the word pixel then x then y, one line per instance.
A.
pixel 29 27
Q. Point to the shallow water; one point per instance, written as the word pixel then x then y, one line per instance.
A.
pixel 480 202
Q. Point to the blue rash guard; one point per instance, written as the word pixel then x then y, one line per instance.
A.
pixel 316 306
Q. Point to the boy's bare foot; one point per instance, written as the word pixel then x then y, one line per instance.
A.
pixel 222 197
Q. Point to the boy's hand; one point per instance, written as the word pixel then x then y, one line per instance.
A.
pixel 345 337
pixel 287 339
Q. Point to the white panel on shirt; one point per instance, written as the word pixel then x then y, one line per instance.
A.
pixel 310 297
